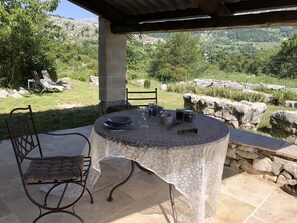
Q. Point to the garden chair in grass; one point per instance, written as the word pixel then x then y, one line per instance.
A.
pixel 51 171
pixel 138 98
pixel 42 85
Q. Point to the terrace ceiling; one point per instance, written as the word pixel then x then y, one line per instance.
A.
pixel 144 16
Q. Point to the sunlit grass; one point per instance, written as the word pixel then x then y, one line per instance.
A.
pixel 216 74
pixel 82 93
pixel 79 106
pixel 52 111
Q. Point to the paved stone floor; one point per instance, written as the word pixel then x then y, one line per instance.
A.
pixel 144 199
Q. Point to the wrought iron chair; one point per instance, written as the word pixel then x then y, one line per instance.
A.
pixel 138 99
pixel 57 172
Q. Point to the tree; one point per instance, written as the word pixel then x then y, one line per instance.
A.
pixel 178 58
pixel 27 40
pixel 284 62
pixel 138 55
pixel 238 62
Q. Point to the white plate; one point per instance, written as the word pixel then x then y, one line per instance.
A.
pixel 109 125
pixel 119 120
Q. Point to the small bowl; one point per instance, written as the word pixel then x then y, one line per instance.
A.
pixel 120 120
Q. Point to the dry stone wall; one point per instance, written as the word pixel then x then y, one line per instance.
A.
pixel 239 86
pixel 236 114
pixel 280 170
pixel 284 124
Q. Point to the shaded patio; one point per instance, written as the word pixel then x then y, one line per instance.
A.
pixel 244 197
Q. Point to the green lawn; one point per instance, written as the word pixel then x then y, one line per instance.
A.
pixel 71 108
pixel 53 111
pixel 79 106
pixel 215 74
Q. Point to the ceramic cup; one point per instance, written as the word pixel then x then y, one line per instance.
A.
pixel 188 115
pixel 179 113
pixel 166 119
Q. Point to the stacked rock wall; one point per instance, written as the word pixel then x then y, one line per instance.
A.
pixel 284 124
pixel 239 86
pixel 235 114
pixel 281 170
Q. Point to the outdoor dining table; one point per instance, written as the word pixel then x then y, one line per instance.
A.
pixel 192 162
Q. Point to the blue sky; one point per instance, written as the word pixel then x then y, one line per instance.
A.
pixel 70 10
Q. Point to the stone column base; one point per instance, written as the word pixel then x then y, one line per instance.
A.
pixel 103 105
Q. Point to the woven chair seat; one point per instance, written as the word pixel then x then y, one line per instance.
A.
pixel 50 172
pixel 58 168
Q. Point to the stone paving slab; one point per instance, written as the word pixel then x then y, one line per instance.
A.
pixel 253 139
pixel 244 198
pixel 263 142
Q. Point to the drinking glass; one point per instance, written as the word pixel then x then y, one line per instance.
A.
pixel 144 115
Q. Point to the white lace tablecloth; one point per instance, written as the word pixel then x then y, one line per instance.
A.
pixel 193 163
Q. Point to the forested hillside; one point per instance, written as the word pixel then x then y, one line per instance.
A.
pixel 30 39
pixel 88 29
pixel 252 51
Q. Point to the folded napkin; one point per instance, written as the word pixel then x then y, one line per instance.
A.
pixel 183 131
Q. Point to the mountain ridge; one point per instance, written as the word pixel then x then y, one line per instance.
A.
pixel 80 30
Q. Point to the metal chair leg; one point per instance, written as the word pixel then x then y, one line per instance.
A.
pixel 110 199
pixel 60 211
pixel 172 204
pixel 90 194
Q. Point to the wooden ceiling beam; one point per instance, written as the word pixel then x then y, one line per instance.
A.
pixel 169 15
pixel 235 7
pixel 214 8
pixel 107 12
pixel 279 18
pixel 256 5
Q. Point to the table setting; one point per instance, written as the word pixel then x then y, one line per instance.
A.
pixel 186 150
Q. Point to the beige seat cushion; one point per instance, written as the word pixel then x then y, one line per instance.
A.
pixel 57 168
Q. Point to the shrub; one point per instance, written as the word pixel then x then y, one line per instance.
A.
pixel 278 98
pixel 235 95
pixel 147 83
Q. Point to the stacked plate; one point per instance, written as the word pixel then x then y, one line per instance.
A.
pixel 118 122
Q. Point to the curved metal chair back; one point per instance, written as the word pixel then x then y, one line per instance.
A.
pixel 23 134
pixel 55 171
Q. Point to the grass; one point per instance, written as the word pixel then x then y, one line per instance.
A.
pixel 214 73
pixel 235 95
pixel 79 106
pixel 53 111
pixel 71 108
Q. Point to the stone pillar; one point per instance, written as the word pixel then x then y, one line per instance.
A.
pixel 112 67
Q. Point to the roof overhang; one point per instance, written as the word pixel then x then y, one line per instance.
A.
pixel 134 16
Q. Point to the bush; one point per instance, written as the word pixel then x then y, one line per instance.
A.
pixel 147 83
pixel 218 92
pixel 278 98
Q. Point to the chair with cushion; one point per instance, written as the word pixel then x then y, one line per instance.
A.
pixel 55 173
pixel 42 85
pixel 136 99
pixel 46 76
